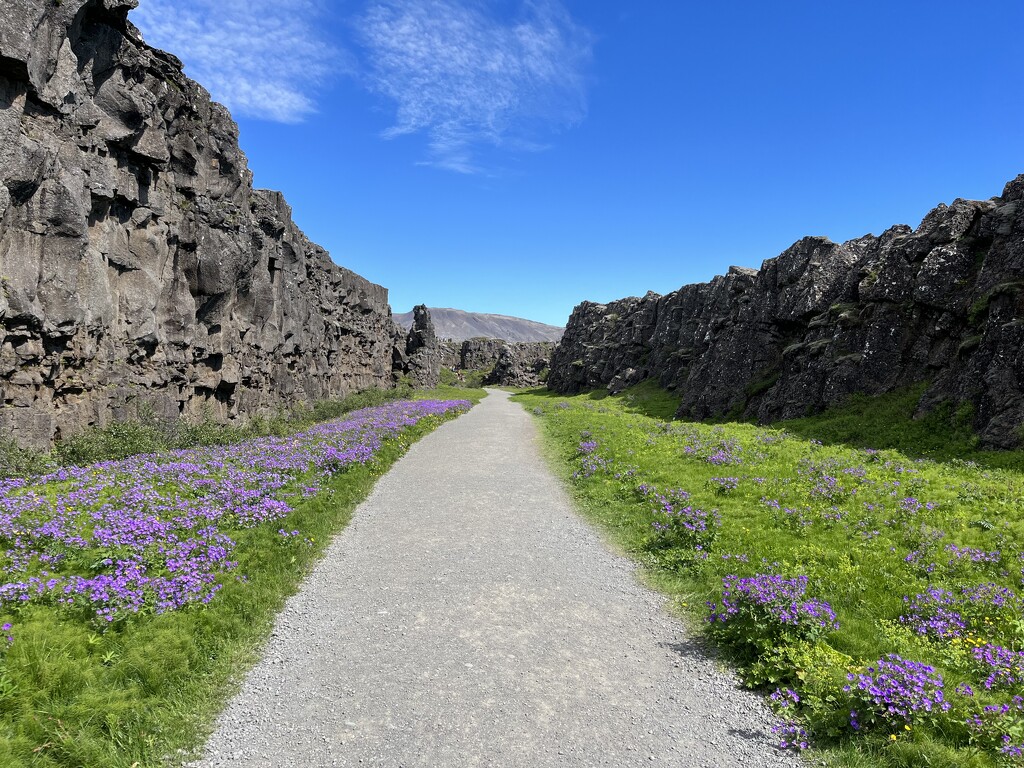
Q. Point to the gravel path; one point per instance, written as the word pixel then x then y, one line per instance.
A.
pixel 467 617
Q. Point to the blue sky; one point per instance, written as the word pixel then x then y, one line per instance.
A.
pixel 520 156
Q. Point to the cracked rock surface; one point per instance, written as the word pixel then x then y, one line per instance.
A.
pixel 137 263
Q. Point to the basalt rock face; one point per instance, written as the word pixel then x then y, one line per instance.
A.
pixel 451 354
pixel 422 350
pixel 520 365
pixel 508 363
pixel 943 303
pixel 480 354
pixel 138 264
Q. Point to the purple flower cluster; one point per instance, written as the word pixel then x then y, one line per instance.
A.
pixel 791 735
pixel 911 506
pixel 1000 726
pixel 897 689
pixel 822 477
pixel 774 599
pixel 151 532
pixel 942 614
pixel 795 519
pixel 591 464
pixel 952 559
pixel 680 523
pixel 784 699
pixel 934 614
pixel 726 453
pixel 994 595
pixel 1003 666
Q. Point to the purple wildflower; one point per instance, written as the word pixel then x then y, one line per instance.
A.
pixel 1003 666
pixel 897 689
pixel 775 603
pixel 151 532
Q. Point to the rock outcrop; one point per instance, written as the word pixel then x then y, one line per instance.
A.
pixel 507 364
pixel 422 360
pixel 138 264
pixel 520 365
pixel 940 304
pixel 480 354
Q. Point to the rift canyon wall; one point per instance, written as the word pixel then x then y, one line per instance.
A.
pixel 507 363
pixel 138 264
pixel 940 304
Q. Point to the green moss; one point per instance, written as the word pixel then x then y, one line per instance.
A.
pixel 969 344
pixel 763 383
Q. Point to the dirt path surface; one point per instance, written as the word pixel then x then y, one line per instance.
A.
pixel 467 617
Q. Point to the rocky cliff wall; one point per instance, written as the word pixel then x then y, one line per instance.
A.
pixel 137 262
pixel 508 363
pixel 480 353
pixel 942 304
pixel 521 364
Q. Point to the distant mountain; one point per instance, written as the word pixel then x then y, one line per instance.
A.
pixel 458 325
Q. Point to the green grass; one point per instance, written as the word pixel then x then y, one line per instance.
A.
pixel 147 433
pixel 471 379
pixel 887 421
pixel 145 691
pixel 646 398
pixel 842 520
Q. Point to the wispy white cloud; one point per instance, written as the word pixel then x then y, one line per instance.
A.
pixel 261 58
pixel 466 77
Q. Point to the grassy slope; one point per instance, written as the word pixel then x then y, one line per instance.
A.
pixel 138 693
pixel 856 563
pixel 888 422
